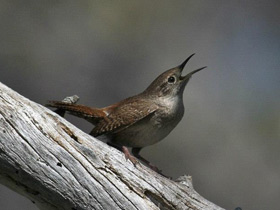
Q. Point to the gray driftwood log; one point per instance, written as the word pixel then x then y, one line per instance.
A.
pixel 57 166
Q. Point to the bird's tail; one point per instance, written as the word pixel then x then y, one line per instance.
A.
pixel 92 115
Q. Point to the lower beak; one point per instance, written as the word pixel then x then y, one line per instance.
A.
pixel 189 75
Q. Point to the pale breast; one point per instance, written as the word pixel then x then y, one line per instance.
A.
pixel 152 129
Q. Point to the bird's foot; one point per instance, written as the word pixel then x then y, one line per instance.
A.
pixel 129 156
pixel 154 168
pixel 135 161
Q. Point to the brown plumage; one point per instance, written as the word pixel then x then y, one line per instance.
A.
pixel 92 115
pixel 140 120
pixel 112 118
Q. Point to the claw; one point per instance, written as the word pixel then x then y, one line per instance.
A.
pixel 130 157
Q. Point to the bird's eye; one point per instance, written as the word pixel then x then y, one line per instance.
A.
pixel 171 79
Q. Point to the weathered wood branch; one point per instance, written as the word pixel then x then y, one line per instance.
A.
pixel 56 165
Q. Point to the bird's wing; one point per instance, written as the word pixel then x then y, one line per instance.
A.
pixel 123 116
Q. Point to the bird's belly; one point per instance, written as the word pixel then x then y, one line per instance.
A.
pixel 146 132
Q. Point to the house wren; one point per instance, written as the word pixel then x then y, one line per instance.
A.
pixel 140 120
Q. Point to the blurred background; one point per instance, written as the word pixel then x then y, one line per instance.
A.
pixel 105 51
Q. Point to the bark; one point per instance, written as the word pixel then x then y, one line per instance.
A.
pixel 56 165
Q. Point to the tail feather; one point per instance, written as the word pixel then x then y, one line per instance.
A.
pixel 92 115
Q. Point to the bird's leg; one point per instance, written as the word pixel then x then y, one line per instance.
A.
pixel 135 151
pixel 126 152
pixel 129 156
pixel 135 156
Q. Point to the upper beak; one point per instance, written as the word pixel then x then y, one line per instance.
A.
pixel 181 67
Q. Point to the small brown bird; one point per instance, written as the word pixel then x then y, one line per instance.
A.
pixel 140 120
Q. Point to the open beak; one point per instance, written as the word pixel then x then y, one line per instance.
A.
pixel 181 67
